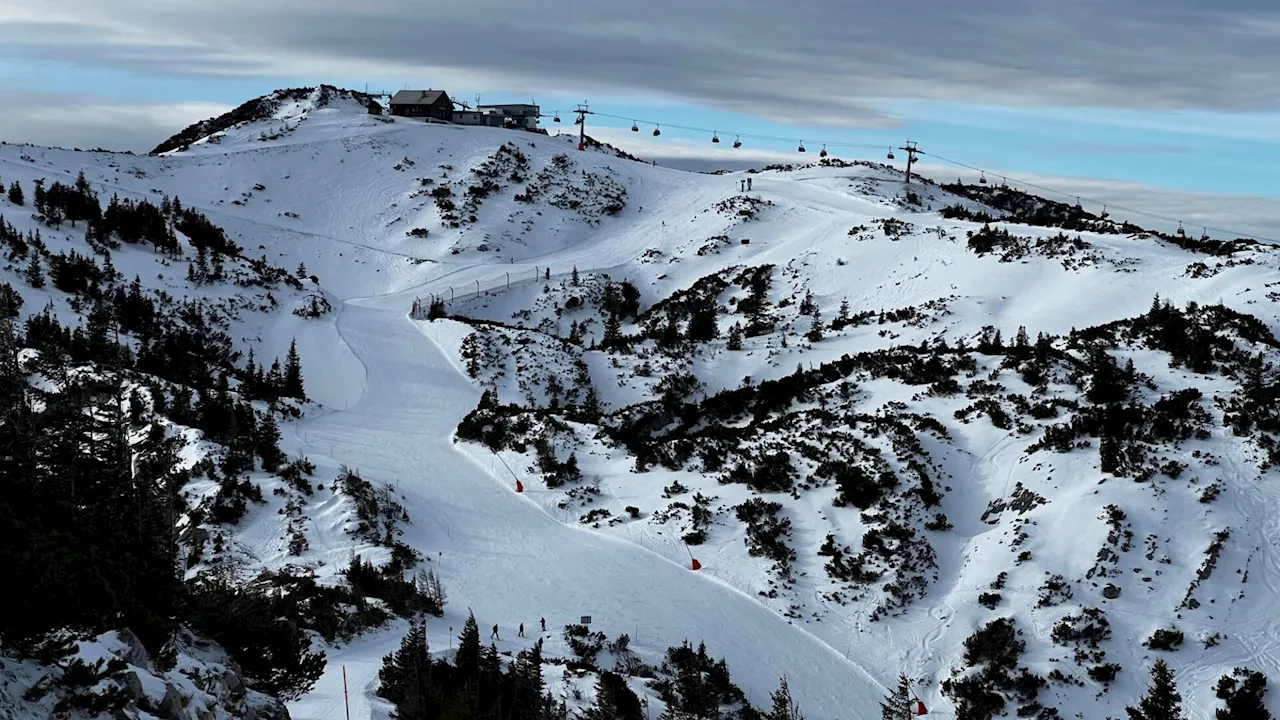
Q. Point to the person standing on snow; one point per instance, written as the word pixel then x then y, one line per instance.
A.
pixel 521 633
pixel 748 184
pixel 494 636
pixel 544 624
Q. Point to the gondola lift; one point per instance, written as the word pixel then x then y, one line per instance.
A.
pixel 556 118
pixel 656 131
pixel 715 138
pixel 801 148
pixel 1181 232
pixel 982 179
pixel 634 127
pixel 890 155
pixel 824 151
pixel 737 143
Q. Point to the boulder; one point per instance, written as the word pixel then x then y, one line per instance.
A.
pixel 264 707
pixel 173 706
pixel 134 653
pixel 1110 592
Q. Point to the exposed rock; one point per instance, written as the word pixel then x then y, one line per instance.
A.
pixel 206 684
pixel 1110 592
pixel 172 707
pixel 264 707
pixel 134 653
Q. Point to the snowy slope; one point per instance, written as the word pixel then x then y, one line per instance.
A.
pixel 330 187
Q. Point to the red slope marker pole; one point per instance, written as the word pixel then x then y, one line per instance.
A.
pixel 346 700
pixel 693 561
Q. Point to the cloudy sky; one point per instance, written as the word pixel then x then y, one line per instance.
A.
pixel 1173 96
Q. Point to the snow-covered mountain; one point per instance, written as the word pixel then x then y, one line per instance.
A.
pixel 1011 450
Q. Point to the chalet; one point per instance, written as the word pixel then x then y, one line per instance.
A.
pixel 519 116
pixel 422 104
pixel 375 107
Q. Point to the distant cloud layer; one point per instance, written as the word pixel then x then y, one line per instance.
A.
pixel 88 121
pixel 804 61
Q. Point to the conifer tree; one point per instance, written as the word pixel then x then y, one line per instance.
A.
pixel 614 699
pixel 898 705
pixel 293 374
pixel 268 443
pixel 33 274
pixel 815 329
pixel 842 315
pixel 735 337
pixel 1162 701
pixel 573 278
pixel 784 708
pixel 405 677
pixel 1243 690
pixel 16 195
pixel 703 326
pixel 468 658
pixel 612 331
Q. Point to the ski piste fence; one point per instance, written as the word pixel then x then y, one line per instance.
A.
pixel 482 287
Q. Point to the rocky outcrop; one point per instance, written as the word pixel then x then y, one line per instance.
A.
pixel 204 684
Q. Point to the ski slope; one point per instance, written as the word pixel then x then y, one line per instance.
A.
pixel 508 560
pixel 339 191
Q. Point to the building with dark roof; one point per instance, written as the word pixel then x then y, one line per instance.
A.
pixel 423 104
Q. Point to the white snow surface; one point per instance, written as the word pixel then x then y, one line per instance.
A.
pixel 392 390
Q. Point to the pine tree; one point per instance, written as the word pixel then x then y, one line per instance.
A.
pixel 1108 383
pixel 1162 701
pixel 614 700
pixel 898 705
pixel 815 328
pixel 574 279
pixel 807 305
pixel 703 326
pixel 735 337
pixel 302 270
pixel 842 315
pixel 293 374
pixel 1243 692
pixel 784 708
pixel 33 274
pixel 405 677
pixel 612 331
pixel 16 195
pixel 468 658
pixel 268 443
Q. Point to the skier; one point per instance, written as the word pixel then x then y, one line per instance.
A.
pixel 494 636
pixel 544 624
pixel 521 633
